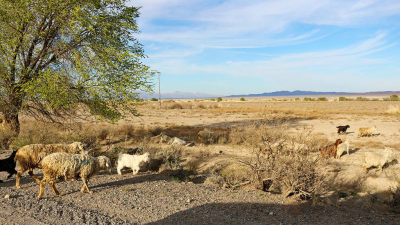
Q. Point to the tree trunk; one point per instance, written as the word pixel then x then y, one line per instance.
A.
pixel 11 129
pixel 11 121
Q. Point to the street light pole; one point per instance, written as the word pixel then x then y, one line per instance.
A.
pixel 159 89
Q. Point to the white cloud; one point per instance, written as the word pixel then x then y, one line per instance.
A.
pixel 353 57
pixel 247 24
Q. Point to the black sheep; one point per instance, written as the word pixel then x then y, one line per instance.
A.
pixel 342 129
pixel 8 165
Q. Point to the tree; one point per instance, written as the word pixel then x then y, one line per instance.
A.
pixel 394 98
pixel 58 55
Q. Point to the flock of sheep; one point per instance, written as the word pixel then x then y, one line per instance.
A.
pixel 370 159
pixel 61 161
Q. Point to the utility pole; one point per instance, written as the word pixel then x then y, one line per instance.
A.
pixel 159 89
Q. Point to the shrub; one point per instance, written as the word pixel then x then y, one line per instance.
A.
pixel 322 99
pixel 153 99
pixel 127 130
pixel 361 99
pixel 175 106
pixel 297 99
pixel 287 159
pixel 309 99
pixel 219 99
pixel 242 99
pixel 212 99
pixel 103 134
pixel 345 99
pixel 394 98
pixel 171 156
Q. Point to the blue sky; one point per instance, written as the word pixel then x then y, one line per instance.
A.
pixel 225 47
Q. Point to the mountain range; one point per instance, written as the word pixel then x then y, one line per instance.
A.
pixel 307 93
pixel 193 95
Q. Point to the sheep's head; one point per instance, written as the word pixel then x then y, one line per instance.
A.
pixel 105 163
pixel 388 151
pixel 77 146
pixel 338 141
pixel 146 157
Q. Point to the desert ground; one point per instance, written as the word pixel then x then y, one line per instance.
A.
pixel 211 181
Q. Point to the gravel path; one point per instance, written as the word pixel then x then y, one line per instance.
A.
pixel 157 199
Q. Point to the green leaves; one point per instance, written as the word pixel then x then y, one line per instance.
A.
pixel 61 53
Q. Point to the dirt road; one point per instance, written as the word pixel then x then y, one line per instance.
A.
pixel 151 198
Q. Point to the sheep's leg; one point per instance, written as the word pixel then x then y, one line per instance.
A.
pixel 10 174
pixel 365 169
pixel 30 172
pixel 119 170
pixel 42 183
pixel 85 181
pixel 19 173
pixel 53 187
pixel 135 170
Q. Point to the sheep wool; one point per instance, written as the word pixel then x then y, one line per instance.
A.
pixel 131 161
pixel 30 156
pixel 372 159
pixel 345 146
pixel 65 166
pixel 366 131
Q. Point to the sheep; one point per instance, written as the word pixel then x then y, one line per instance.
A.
pixel 330 150
pixel 342 129
pixel 367 131
pixel 131 161
pixel 29 156
pixel 176 141
pixel 8 165
pixel 341 148
pixel 372 159
pixel 62 165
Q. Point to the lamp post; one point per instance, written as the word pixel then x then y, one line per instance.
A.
pixel 159 89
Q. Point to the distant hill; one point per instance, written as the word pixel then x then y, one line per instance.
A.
pixel 307 93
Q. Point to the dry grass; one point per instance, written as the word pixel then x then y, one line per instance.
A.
pixel 369 144
pixel 393 109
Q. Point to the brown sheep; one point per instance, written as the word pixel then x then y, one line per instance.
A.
pixel 30 156
pixel 330 150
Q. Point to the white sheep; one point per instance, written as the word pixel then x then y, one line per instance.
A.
pixel 367 131
pixel 29 156
pixel 176 141
pixel 131 161
pixel 372 159
pixel 345 146
pixel 70 166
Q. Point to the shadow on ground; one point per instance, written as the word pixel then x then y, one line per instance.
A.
pixel 255 213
